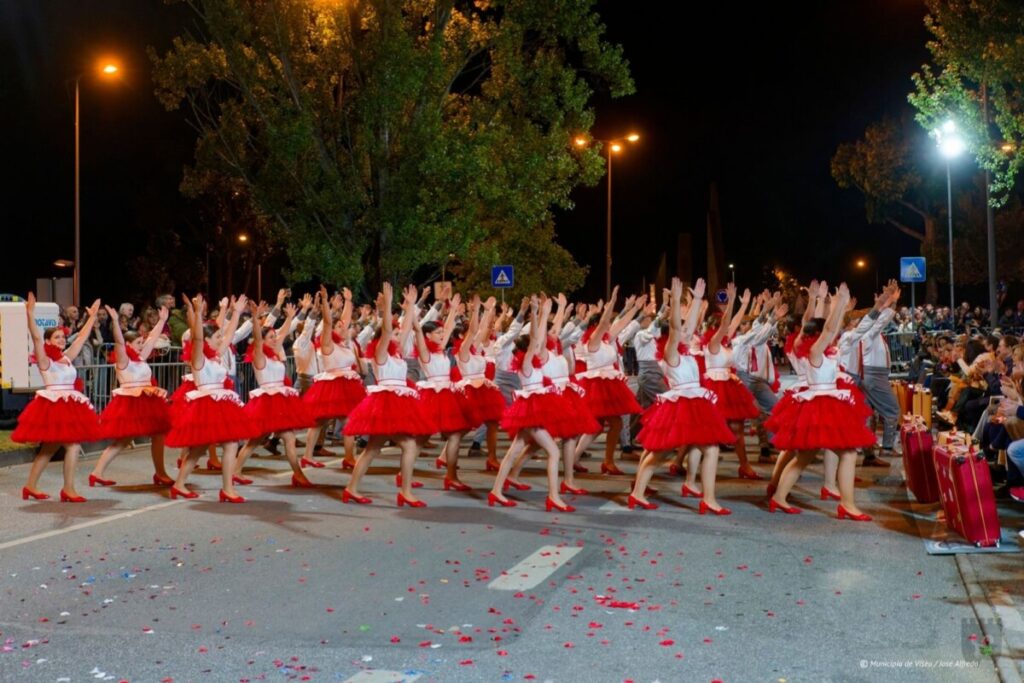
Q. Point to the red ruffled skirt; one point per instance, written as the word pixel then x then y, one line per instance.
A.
pixel 278 412
pixel 577 420
pixel 205 421
pixel 545 410
pixel 481 404
pixel 667 425
pixel 858 397
pixel 63 421
pixel 386 413
pixel 822 422
pixel 443 410
pixel 735 402
pixel 128 417
pixel 607 397
pixel 333 398
pixel 772 424
pixel 177 398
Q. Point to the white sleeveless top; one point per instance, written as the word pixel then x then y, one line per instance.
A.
pixel 601 363
pixel 821 380
pixel 59 379
pixel 719 365
pixel 684 380
pixel 271 380
pixel 534 384
pixel 473 371
pixel 438 371
pixel 340 363
pixel 136 380
pixel 209 381
pixel 391 376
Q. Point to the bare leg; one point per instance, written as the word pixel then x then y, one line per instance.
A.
pixel 524 454
pixel 492 444
pixel 780 464
pixel 584 444
pixel 544 440
pixel 363 463
pixel 229 457
pixel 350 450
pixel 312 436
pixel 410 451
pixel 291 454
pixel 156 452
pixel 568 459
pixel 108 454
pixel 708 472
pixel 611 443
pixel 791 474
pixel 39 463
pixel 505 467
pixel 693 457
pixel 244 454
pixel 741 448
pixel 71 452
pixel 847 470
pixel 831 469
pixel 190 456
pixel 451 450
pixel 649 462
pixel 212 461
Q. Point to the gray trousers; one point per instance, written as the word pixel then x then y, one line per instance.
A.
pixel 765 399
pixel 508 382
pixel 878 392
pixel 650 382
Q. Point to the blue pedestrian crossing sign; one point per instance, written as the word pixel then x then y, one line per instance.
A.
pixel 912 269
pixel 503 277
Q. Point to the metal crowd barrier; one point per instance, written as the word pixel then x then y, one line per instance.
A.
pixel 901 351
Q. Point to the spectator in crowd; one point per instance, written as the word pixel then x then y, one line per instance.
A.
pixel 176 323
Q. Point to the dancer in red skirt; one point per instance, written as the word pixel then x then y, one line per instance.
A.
pixel 537 411
pixel 735 401
pixel 275 407
pixel 482 402
pixel 438 400
pixel 391 410
pixel 211 414
pixel 139 408
pixel 824 416
pixel 685 415
pixel 60 414
pixel 338 387
pixel 605 391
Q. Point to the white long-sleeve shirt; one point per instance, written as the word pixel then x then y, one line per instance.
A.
pixel 645 342
pixel 306 362
pixel 500 350
pixel 864 346
pixel 753 347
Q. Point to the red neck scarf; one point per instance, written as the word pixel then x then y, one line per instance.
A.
pixel 517 361
pixel 208 351
pixel 371 348
pixel 268 351
pixel 662 342
pixel 553 344
pixel 53 352
pixel 335 337
pixel 433 346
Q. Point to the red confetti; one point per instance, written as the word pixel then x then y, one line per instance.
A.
pixel 395 639
pixel 425 643
pixel 466 662
pixel 503 653
pixel 569 645
pixel 667 643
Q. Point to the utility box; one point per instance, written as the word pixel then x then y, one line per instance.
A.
pixel 16 374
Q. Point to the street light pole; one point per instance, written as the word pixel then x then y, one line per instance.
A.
pixel 608 236
pixel 949 203
pixel 951 145
pixel 78 254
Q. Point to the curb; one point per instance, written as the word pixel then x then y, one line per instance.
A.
pixel 990 620
pixel 22 456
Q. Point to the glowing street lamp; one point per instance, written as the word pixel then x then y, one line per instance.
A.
pixel 951 145
pixel 108 69
pixel 614 146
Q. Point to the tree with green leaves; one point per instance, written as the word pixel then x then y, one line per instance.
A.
pixel 976 78
pixel 375 137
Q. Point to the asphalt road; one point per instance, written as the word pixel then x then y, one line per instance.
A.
pixel 293 585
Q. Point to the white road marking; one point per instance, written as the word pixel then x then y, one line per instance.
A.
pixel 382 676
pixel 85 525
pixel 534 569
pixel 611 506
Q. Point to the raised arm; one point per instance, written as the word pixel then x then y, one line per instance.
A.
pixel 326 339
pixel 154 334
pixel 195 323
pixel 559 319
pixel 536 338
pixel 675 329
pixel 832 325
pixel 627 316
pixel 737 319
pixel 259 359
pixel 83 336
pixel 449 321
pixel 604 323
pixel 483 333
pixel 715 344
pixel 380 355
pixel 410 317
pixel 694 313
pixel 229 333
pixel 469 336
pixel 119 351
pixel 42 360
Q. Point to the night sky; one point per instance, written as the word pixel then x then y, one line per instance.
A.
pixel 753 99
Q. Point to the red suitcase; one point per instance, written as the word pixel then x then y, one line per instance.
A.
pixel 918 461
pixel 967 497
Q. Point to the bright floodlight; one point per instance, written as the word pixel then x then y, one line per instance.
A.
pixel 632 137
pixel 948 127
pixel 581 142
pixel 616 148
pixel 243 237
pixel 110 69
pixel 951 146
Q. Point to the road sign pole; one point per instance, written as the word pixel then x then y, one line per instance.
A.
pixel 913 306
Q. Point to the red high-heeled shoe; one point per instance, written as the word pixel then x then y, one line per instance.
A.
pixel 610 469
pixel 633 502
pixel 675 470
pixel 687 492
pixel 214 468
pixel 306 462
pixel 517 485
pixel 346 466
pixel 826 494
pixel 175 493
pixel 550 505
pixel 351 497
pixel 845 514
pixel 773 506
pixel 415 484
pixel 27 493
pixel 565 488
pixel 488 467
pixel 440 464
pixel 240 480
pixel 749 473
pixel 225 498
pixel 302 484
pixel 65 498
pixel 455 484
pixel 580 469
pixel 705 508
pixel 505 503
pixel 402 500
pixel 97 481
pixel 162 481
